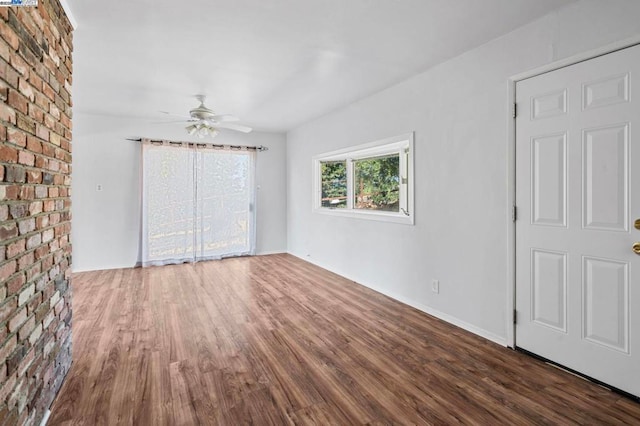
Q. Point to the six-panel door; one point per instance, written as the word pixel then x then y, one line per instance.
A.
pixel 577 192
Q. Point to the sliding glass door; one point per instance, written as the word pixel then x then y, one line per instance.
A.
pixel 198 203
pixel 225 186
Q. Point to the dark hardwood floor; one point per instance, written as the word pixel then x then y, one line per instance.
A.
pixel 273 340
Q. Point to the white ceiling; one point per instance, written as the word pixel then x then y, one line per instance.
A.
pixel 274 63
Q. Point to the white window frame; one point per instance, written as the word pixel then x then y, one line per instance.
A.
pixel 401 145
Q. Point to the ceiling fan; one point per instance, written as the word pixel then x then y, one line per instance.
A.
pixel 203 121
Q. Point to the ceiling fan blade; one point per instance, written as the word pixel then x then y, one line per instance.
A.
pixel 224 118
pixel 231 126
pixel 184 117
pixel 173 121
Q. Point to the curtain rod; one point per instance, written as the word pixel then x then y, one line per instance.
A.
pixel 207 145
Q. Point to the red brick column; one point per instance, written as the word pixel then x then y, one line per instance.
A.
pixel 35 218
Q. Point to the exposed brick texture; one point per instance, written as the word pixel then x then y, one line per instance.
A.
pixel 35 219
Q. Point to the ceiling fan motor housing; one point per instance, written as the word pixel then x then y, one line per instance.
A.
pixel 203 121
pixel 201 113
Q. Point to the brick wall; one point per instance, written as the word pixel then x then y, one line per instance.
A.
pixel 35 168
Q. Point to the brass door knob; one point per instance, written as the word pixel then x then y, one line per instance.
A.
pixel 637 224
pixel 636 248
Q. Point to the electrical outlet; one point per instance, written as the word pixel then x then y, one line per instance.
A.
pixel 98 187
pixel 435 286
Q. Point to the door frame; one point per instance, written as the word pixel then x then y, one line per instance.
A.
pixel 511 167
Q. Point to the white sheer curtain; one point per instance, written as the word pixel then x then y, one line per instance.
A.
pixel 198 203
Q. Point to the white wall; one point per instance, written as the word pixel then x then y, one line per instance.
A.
pixel 459 111
pixel 106 224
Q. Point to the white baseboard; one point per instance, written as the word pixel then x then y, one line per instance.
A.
pixel 102 268
pixel 266 253
pixel 45 419
pixel 138 264
pixel 446 317
pixel 500 340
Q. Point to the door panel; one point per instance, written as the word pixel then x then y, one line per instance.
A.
pixel 577 192
pixel 606 91
pixel 606 289
pixel 549 180
pixel 549 288
pixel 605 177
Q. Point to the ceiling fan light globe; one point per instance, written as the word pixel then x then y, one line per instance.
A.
pixel 191 129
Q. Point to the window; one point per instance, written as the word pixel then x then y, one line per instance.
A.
pixel 372 181
pixel 334 184
pixel 377 183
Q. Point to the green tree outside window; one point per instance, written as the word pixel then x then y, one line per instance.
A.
pixel 377 183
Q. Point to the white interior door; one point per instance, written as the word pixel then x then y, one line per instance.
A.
pixel 578 196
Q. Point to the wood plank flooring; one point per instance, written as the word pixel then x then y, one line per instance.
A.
pixel 274 340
